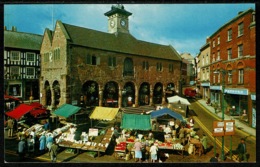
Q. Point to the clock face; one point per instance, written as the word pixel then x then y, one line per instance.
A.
pixel 112 23
pixel 123 22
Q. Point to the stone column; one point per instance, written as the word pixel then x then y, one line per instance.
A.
pixel 136 96
pixel 100 93
pixel 52 97
pixel 163 95
pixel 119 97
pixel 151 95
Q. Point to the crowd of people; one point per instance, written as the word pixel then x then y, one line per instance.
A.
pixel 31 144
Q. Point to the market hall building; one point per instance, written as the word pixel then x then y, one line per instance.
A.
pixel 85 67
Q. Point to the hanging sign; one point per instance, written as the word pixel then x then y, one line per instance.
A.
pixel 218 128
pixel 229 127
pixel 224 128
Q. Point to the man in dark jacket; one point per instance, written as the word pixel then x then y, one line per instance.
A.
pixel 241 149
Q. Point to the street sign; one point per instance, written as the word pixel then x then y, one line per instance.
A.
pixel 224 128
pixel 218 128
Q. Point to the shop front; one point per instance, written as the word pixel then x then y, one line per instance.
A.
pixel 215 92
pixel 205 90
pixel 237 102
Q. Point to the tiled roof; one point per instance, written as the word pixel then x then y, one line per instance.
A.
pixel 118 42
pixel 22 40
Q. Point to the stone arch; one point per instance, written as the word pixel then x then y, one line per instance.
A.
pixel 158 93
pixel 56 91
pixel 170 90
pixel 128 94
pixel 229 66
pixel 240 65
pixel 47 89
pixel 144 94
pixel 110 96
pixel 90 92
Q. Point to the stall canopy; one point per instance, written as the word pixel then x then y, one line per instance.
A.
pixel 66 110
pixel 19 111
pixel 104 113
pixel 136 121
pixel 178 99
pixel 166 111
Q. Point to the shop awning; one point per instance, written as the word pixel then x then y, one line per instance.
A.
pixel 136 121
pixel 104 113
pixel 178 99
pixel 66 110
pixel 166 111
pixel 19 111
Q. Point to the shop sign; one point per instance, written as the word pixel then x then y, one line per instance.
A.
pixel 223 128
pixel 236 91
pixel 215 87
pixel 205 84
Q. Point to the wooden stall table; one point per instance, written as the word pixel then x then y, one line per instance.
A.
pixel 198 148
pixel 65 144
pixel 119 154
pixel 174 145
pixel 77 146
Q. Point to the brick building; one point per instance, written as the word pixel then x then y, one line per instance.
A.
pixel 233 53
pixel 21 64
pixel 81 66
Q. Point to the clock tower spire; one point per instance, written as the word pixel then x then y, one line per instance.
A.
pixel 118 19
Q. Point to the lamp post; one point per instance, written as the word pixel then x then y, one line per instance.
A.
pixel 223 72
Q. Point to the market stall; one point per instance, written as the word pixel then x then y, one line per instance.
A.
pixel 66 111
pixel 27 111
pixel 136 121
pixel 98 144
pixel 125 142
pixel 178 99
pixel 103 114
pixel 170 142
pixel 96 140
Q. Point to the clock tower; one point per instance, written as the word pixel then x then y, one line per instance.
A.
pixel 118 19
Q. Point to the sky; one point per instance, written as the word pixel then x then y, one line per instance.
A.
pixel 183 26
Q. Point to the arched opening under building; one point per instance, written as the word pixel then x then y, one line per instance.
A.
pixel 90 94
pixel 158 93
pixel 47 93
pixel 170 90
pixel 144 94
pixel 111 94
pixel 128 94
pixel 56 90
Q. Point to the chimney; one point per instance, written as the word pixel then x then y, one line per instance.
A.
pixel 14 28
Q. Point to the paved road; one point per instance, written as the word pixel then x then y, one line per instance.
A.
pixel 204 120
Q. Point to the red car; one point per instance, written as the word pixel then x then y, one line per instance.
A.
pixel 190 92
